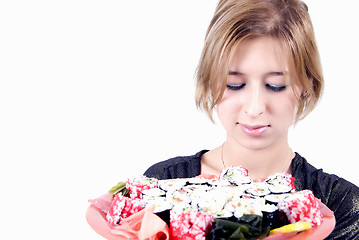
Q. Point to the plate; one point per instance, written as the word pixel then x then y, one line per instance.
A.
pixel 146 225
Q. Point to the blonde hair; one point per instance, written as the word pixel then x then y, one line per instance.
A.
pixel 234 21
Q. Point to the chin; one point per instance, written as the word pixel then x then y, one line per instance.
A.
pixel 255 145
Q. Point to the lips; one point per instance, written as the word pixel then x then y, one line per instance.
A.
pixel 254 130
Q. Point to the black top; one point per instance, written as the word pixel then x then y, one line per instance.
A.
pixel 341 196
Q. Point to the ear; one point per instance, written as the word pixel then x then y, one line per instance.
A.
pixel 304 92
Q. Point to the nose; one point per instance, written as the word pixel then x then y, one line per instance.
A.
pixel 255 103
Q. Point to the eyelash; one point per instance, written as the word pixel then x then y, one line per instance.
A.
pixel 235 87
pixel 274 88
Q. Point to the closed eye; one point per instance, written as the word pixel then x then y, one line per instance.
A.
pixel 276 88
pixel 235 86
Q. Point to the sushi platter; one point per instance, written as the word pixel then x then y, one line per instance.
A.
pixel 231 206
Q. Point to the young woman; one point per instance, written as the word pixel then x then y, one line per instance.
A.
pixel 260 71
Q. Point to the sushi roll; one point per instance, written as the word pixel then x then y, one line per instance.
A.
pixel 198 181
pixel 281 179
pixel 271 216
pixel 123 207
pixel 151 193
pixel 225 215
pixel 274 198
pixel 181 196
pixel 195 188
pixel 162 208
pixel 136 185
pixel 280 188
pixel 301 206
pixel 250 206
pixel 190 225
pixel 258 189
pixel 235 175
pixel 211 201
pixel 161 204
pixel 171 184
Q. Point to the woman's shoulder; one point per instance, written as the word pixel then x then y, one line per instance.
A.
pixel 340 195
pixel 177 167
pixel 309 177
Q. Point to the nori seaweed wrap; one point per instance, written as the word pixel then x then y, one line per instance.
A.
pixel 247 227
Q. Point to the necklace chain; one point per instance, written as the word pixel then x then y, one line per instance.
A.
pixel 284 170
pixel 224 165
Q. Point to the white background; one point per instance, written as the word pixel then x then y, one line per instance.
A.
pixel 93 92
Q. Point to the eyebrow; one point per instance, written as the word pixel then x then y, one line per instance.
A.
pixel 274 74
pixel 235 73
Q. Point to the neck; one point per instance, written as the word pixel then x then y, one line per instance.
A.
pixel 260 163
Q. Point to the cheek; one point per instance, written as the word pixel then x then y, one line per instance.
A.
pixel 226 111
pixel 287 109
pixel 222 112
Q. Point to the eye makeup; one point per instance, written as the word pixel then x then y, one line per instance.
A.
pixel 237 81
pixel 275 88
pixel 235 86
pixel 272 87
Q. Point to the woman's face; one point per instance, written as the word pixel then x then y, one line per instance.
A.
pixel 258 105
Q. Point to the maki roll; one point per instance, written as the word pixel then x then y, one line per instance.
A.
pixel 211 201
pixel 195 188
pixel 271 216
pixel 187 225
pixel 235 175
pixel 248 206
pixel 281 179
pixel 171 184
pixel 258 189
pixel 274 198
pixel 198 181
pixel 301 207
pixel 123 207
pixel 136 185
pixel 181 196
pixel 280 188
pixel 152 193
pixel 162 208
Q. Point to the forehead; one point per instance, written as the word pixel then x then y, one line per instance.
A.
pixel 261 54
